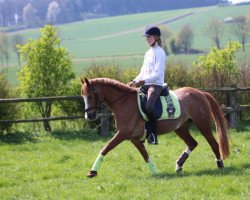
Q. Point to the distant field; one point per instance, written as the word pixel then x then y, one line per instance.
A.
pixel 115 39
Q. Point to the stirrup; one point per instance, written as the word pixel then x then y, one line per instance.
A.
pixel 152 139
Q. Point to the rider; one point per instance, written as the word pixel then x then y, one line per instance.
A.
pixel 152 76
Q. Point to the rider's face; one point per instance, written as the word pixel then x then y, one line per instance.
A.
pixel 150 39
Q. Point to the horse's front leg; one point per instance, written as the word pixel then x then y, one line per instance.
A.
pixel 141 148
pixel 117 139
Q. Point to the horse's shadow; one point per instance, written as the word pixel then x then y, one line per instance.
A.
pixel 236 170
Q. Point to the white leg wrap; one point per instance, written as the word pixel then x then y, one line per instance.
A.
pixel 152 167
pixel 188 151
pixel 96 166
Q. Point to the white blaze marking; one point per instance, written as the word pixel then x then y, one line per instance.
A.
pixel 86 106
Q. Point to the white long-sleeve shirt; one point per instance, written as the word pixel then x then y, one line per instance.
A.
pixel 152 71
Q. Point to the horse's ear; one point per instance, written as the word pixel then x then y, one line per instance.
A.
pixel 82 81
pixel 87 82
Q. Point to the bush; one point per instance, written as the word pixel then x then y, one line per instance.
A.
pixel 218 68
pixel 178 75
pixel 110 71
pixel 7 110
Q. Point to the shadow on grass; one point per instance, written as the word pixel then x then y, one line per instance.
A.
pixel 18 137
pixel 87 134
pixel 21 137
pixel 233 170
pixel 243 126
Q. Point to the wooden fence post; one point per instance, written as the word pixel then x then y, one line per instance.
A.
pixel 104 129
pixel 232 102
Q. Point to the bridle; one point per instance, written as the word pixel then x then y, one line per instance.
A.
pixel 98 104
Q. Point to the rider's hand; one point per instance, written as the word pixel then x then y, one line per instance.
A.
pixel 138 84
pixel 131 83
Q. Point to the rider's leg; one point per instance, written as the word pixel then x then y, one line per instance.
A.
pixel 154 92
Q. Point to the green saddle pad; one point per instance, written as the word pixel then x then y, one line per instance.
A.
pixel 167 101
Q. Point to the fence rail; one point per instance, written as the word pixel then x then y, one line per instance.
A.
pixel 42 99
pixel 231 105
pixel 231 108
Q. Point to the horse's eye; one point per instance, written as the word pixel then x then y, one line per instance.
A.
pixel 89 97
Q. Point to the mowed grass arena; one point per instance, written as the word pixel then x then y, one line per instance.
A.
pixel 118 40
pixel 54 166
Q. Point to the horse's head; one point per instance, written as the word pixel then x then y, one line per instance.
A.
pixel 92 101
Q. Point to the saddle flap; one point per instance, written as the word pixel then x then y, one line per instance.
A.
pixel 166 107
pixel 157 112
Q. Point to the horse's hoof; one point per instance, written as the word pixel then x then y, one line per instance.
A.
pixel 220 164
pixel 178 169
pixel 92 174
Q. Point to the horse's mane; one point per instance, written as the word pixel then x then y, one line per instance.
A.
pixel 112 83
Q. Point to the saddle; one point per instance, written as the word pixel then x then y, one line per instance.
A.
pixel 167 105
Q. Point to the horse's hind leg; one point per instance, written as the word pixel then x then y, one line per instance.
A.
pixel 184 134
pixel 208 134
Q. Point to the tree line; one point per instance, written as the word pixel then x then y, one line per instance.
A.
pixel 215 30
pixel 33 13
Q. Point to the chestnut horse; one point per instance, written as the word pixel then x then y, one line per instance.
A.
pixel 197 107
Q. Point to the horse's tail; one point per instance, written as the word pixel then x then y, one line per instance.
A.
pixel 221 126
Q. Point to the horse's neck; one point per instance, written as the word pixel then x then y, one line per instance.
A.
pixel 112 95
pixel 115 98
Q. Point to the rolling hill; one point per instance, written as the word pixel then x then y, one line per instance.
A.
pixel 119 39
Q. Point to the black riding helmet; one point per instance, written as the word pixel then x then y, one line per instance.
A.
pixel 152 30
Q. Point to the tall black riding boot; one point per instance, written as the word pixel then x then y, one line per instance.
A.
pixel 151 128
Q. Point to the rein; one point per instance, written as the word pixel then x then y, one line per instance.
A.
pixel 98 105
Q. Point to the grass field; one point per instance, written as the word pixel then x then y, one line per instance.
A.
pixel 118 39
pixel 54 166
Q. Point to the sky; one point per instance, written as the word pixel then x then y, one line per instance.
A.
pixel 239 1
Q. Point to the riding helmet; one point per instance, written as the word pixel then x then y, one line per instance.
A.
pixel 152 30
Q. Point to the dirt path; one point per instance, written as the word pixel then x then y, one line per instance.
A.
pixel 140 29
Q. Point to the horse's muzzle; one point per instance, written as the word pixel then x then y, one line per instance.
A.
pixel 90 116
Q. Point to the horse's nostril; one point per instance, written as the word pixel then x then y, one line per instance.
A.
pixel 91 116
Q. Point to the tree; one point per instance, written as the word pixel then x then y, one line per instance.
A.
pixel 165 35
pixel 29 16
pixel 185 38
pixel 241 29
pixel 47 70
pixel 17 40
pixel 173 46
pixel 4 48
pixel 53 11
pixel 214 31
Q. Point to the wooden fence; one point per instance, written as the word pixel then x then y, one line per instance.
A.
pixel 231 107
pixel 42 99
